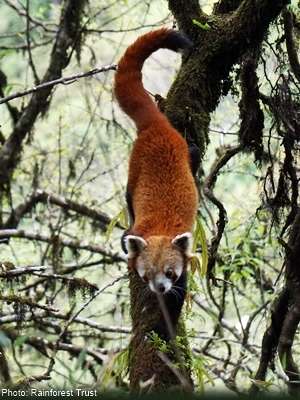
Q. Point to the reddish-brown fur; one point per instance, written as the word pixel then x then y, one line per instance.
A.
pixel 161 194
pixel 160 182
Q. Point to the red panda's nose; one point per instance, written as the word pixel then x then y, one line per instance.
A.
pixel 161 288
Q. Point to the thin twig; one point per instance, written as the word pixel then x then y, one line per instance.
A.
pixel 19 271
pixel 41 315
pixel 64 80
pixel 16 299
pixel 73 317
pixel 39 196
pixel 74 244
pixel 223 219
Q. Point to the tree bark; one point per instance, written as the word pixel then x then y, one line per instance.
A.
pixel 146 365
pixel 292 319
pixel 204 75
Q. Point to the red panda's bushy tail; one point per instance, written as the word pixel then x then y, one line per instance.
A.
pixel 128 88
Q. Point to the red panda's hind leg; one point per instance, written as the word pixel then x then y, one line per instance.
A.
pixel 195 159
pixel 131 219
pixel 130 208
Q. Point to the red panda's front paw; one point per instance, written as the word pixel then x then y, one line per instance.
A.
pixel 162 330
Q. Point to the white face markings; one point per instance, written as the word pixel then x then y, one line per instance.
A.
pixel 146 273
pixel 160 284
pixel 178 270
pixel 166 268
pixel 160 261
pixel 141 270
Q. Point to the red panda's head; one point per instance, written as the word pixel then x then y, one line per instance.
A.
pixel 161 260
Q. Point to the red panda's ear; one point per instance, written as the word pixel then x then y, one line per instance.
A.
pixel 134 245
pixel 184 243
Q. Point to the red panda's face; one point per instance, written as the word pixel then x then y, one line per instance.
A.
pixel 160 260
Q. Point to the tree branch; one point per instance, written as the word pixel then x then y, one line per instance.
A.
pixel 73 244
pixel 66 40
pixel 52 198
pixel 292 319
pixel 223 219
pixel 73 317
pixel 290 43
pixel 204 75
pixel 271 336
pixel 251 115
pixel 226 6
pixel 64 81
pixel 185 15
pixel 9 273
pixel 25 301
pixel 89 323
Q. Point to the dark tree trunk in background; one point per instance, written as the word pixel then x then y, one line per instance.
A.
pixel 67 42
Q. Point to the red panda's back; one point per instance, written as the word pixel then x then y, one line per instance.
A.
pixel 161 184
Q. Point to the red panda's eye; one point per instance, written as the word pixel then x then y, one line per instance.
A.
pixel 169 273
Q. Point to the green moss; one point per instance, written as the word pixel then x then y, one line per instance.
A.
pixel 188 104
pixel 79 284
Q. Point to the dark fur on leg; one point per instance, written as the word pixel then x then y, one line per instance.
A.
pixel 130 208
pixel 131 220
pixel 174 300
pixel 195 159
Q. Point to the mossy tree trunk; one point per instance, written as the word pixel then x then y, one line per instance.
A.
pixel 237 29
pixel 146 364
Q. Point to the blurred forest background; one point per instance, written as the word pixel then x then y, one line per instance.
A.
pixel 64 320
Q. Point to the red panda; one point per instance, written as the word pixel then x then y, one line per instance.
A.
pixel 161 193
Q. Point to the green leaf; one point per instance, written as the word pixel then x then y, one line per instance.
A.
pixel 263 385
pixel 205 27
pixel 64 365
pixel 81 358
pixel 4 340
pixel 124 218
pixel 111 226
pixel 201 373
pixel 199 237
pixel 283 361
pixel 21 339
pixel 10 86
pixel 6 52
